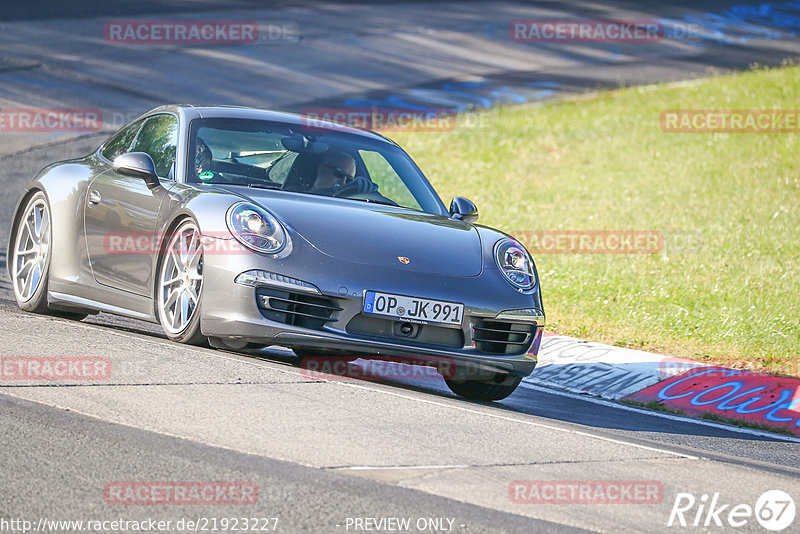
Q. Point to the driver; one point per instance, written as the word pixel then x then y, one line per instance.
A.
pixel 336 176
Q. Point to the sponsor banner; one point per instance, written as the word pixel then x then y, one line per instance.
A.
pixel 161 493
pixel 591 241
pixel 61 120
pixel 383 119
pixel 586 492
pixel 730 393
pixel 54 368
pixel 730 121
pixel 585 31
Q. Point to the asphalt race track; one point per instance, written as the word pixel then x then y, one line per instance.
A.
pixel 324 451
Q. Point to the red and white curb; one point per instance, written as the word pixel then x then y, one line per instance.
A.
pixel 597 370
pixel 601 370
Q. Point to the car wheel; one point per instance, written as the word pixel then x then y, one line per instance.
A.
pixel 485 390
pixel 179 289
pixel 30 261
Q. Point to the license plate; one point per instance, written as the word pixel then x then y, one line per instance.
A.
pixel 413 309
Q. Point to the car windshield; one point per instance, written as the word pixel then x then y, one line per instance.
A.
pixel 271 155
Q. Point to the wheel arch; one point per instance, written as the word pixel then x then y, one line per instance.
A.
pixel 170 227
pixel 21 204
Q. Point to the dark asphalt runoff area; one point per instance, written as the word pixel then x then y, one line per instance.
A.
pixel 329 454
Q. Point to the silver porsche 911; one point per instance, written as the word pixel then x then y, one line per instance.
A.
pixel 245 228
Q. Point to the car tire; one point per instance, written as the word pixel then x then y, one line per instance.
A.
pixel 72 316
pixel 485 390
pixel 179 285
pixel 309 352
pixel 31 254
pixel 238 345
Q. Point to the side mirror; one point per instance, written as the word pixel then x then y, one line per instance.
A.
pixel 463 209
pixel 137 165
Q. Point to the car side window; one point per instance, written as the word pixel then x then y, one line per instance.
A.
pixel 158 138
pixel 119 143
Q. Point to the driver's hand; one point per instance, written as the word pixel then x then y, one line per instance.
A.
pixel 358 186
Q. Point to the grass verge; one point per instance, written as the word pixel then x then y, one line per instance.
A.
pixel 726 288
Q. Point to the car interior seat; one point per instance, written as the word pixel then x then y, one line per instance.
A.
pixel 303 173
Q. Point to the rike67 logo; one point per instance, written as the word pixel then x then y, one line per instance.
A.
pixel 774 510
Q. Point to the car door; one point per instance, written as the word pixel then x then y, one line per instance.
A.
pixel 121 212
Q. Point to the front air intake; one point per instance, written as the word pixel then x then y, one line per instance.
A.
pixel 296 309
pixel 502 337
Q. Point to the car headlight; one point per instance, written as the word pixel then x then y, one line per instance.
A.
pixel 515 263
pixel 256 228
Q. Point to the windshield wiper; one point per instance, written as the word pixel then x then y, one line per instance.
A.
pixel 373 201
pixel 263 186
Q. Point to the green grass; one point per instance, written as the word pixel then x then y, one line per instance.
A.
pixel 602 162
pixel 655 406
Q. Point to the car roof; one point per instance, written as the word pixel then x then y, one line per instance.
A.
pixel 238 112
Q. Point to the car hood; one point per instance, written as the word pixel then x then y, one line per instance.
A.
pixel 376 235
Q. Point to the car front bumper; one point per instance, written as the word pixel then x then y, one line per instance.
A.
pixel 239 313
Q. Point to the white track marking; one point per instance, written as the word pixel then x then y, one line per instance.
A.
pixel 731 428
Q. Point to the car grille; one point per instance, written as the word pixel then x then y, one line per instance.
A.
pixel 502 337
pixel 389 330
pixel 296 309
